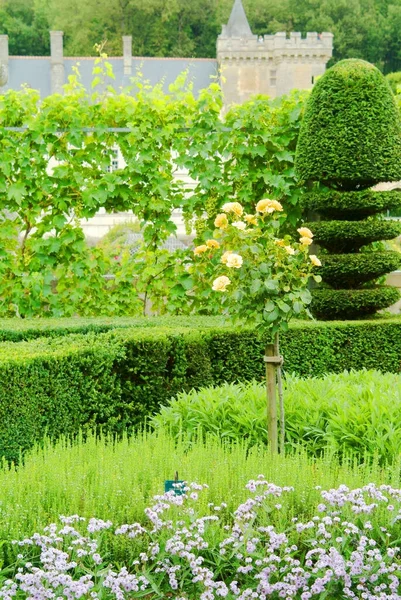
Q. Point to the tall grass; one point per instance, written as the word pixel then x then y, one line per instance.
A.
pixel 116 480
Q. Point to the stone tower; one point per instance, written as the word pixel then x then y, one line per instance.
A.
pixel 272 65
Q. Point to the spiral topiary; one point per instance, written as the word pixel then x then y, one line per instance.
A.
pixel 350 136
pixel 350 140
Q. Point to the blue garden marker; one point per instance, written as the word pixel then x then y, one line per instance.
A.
pixel 175 485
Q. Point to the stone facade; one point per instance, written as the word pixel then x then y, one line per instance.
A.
pixel 272 65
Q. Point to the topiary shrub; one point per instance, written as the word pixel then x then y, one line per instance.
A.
pixel 353 270
pixel 333 304
pixel 350 140
pixel 349 236
pixel 352 205
pixel 350 136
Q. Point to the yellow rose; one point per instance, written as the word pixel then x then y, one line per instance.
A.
pixel 289 249
pixel 239 225
pixel 314 260
pixel 280 243
pixel 220 284
pixel 200 249
pixel 234 261
pixel 212 244
pixel 305 232
pixel 306 241
pixel 234 207
pixel 221 221
pixel 251 219
pixel 276 205
pixel 225 256
pixel 268 206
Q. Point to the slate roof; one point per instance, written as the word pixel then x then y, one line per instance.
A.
pixel 238 25
pixel 35 71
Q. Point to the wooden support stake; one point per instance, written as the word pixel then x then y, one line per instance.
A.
pixel 280 397
pixel 271 361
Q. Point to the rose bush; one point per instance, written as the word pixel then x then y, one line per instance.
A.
pixel 260 276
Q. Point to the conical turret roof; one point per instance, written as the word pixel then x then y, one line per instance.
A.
pixel 238 25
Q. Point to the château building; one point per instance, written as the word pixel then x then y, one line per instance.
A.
pixel 248 64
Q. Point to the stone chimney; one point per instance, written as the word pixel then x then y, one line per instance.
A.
pixel 57 62
pixel 3 60
pixel 127 54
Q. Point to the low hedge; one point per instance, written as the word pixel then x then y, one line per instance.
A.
pixel 352 304
pixel 351 205
pixel 116 379
pixel 17 330
pixel 349 236
pixel 352 270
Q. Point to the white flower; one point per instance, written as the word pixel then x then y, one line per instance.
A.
pixel 239 225
pixel 220 284
pixel 234 261
pixel 314 260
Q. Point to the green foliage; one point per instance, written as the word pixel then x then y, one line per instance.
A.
pixel 351 270
pixel 351 413
pixel 118 378
pixel 350 136
pixel 352 303
pixel 351 205
pixel 394 81
pixel 349 236
pixel 54 173
pixel 350 139
pixel 246 156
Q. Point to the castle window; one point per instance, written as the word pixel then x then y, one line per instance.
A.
pixel 114 165
pixel 273 75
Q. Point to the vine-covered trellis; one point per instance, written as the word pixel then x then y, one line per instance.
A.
pixel 54 159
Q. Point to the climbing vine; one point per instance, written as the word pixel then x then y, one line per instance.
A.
pixel 55 157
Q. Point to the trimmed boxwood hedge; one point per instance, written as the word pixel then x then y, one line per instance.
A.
pixel 116 379
pixel 351 205
pixel 352 270
pixel 15 330
pixel 352 304
pixel 350 136
pixel 349 236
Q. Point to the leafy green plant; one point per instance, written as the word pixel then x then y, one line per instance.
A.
pixel 350 413
pixel 55 171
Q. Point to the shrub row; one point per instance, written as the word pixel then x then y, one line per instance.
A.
pixel 116 379
pixel 16 330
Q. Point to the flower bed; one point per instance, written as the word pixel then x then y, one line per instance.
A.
pixel 348 549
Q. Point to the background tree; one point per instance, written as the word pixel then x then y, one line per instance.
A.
pixel 368 29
